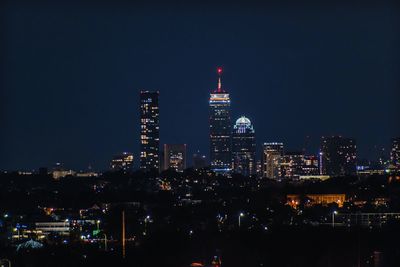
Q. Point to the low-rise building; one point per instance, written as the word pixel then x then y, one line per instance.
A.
pixel 316 199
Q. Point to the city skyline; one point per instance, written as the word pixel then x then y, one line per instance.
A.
pixel 145 96
pixel 149 97
pixel 199 134
pixel 291 74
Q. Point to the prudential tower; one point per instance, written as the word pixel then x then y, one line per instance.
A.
pixel 220 128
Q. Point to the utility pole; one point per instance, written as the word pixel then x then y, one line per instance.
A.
pixel 123 235
pixel 105 242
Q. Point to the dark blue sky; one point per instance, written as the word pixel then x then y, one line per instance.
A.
pixel 71 74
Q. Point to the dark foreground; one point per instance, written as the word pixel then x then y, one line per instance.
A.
pixel 286 246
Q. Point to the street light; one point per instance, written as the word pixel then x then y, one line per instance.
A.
pixel 98 224
pixel 146 220
pixel 4 261
pixel 240 216
pixel 333 218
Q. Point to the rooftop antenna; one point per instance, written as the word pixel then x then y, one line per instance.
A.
pixel 219 71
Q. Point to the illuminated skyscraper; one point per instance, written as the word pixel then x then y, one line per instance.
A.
pixel 220 129
pixel 272 154
pixel 243 147
pixel 338 156
pixel 291 165
pixel 122 162
pixel 149 130
pixel 175 157
pixel 395 152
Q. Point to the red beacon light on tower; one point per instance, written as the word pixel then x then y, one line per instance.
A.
pixel 219 88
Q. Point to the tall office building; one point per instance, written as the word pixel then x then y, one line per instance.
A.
pixel 243 147
pixel 291 165
pixel 395 153
pixel 338 156
pixel 272 154
pixel 122 162
pixel 311 165
pixel 175 157
pixel 220 129
pixel 149 131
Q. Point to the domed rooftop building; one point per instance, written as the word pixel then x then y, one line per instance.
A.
pixel 243 147
pixel 243 125
pixel 30 244
pixel 243 120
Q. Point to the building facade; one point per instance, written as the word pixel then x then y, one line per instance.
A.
pixel 122 162
pixel 395 153
pixel 149 131
pixel 311 165
pixel 243 147
pixel 59 171
pixel 291 165
pixel 316 199
pixel 272 154
pixel 199 161
pixel 220 129
pixel 338 156
pixel 175 157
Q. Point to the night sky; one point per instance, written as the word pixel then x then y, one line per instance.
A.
pixel 71 75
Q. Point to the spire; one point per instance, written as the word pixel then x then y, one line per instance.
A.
pixel 219 71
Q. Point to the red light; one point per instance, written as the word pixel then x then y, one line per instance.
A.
pixel 219 70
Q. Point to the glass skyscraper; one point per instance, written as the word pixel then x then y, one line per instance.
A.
pixel 220 129
pixel 243 147
pixel 149 131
